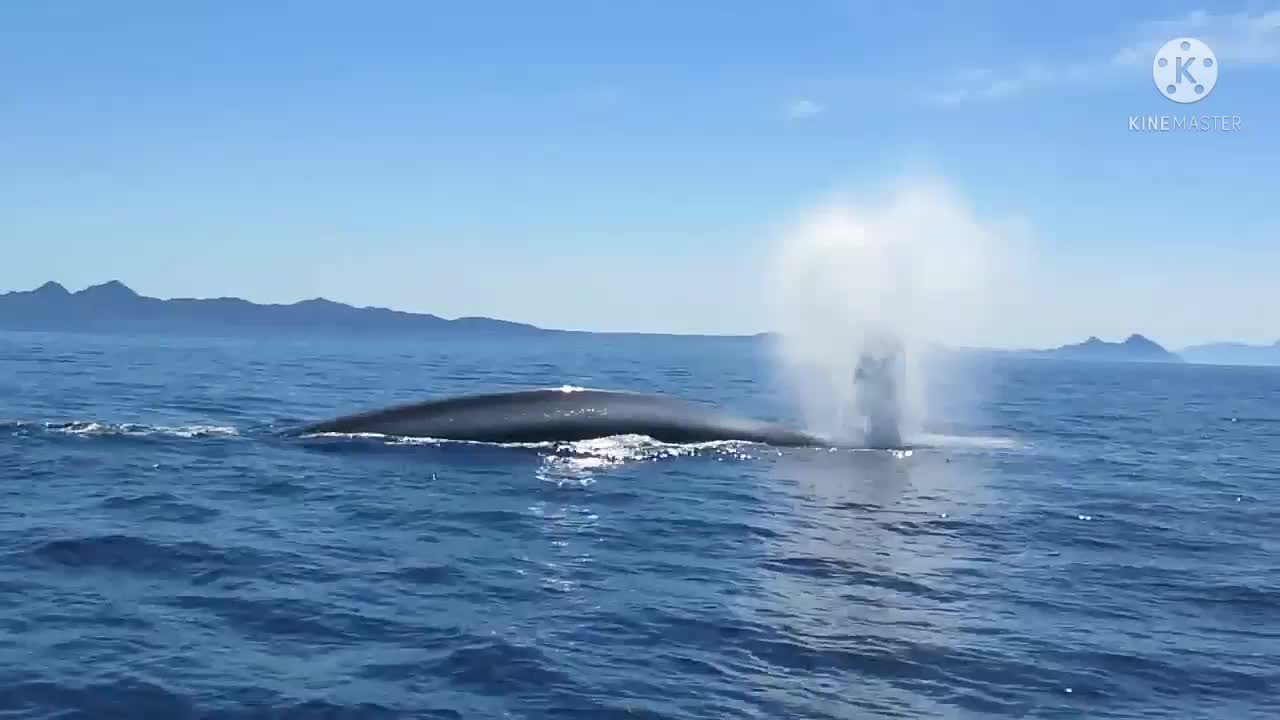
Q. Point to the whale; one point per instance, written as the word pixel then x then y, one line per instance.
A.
pixel 563 414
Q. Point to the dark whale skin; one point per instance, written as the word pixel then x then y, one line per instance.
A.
pixel 562 415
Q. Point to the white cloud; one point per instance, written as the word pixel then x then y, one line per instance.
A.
pixel 802 108
pixel 1238 39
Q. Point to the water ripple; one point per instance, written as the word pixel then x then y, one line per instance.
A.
pixel 1098 544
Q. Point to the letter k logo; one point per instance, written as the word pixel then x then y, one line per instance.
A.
pixel 1184 68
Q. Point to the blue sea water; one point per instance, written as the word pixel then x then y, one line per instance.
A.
pixel 1086 540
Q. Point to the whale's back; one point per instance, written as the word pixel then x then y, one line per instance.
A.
pixel 565 414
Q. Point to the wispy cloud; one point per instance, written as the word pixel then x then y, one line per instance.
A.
pixel 1238 39
pixel 802 108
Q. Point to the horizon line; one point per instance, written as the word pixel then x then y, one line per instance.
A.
pixel 758 334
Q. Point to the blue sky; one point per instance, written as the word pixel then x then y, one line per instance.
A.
pixel 622 165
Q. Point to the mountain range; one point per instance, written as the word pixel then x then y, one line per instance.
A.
pixel 113 307
pixel 1135 348
pixel 1230 353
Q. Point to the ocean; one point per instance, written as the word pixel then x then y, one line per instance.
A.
pixel 1083 540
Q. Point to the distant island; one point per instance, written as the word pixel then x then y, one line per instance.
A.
pixel 1135 348
pixel 112 307
pixel 1227 353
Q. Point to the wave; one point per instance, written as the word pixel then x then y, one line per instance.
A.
pixel 144 556
pixel 574 462
pixel 575 455
pixel 976 442
pixel 627 445
pixel 619 447
pixel 93 428
pixel 145 698
pixel 562 461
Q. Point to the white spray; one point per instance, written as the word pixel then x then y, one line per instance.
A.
pixel 861 292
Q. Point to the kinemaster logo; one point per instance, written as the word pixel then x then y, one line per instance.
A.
pixel 1185 71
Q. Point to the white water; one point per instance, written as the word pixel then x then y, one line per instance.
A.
pixel 913 267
